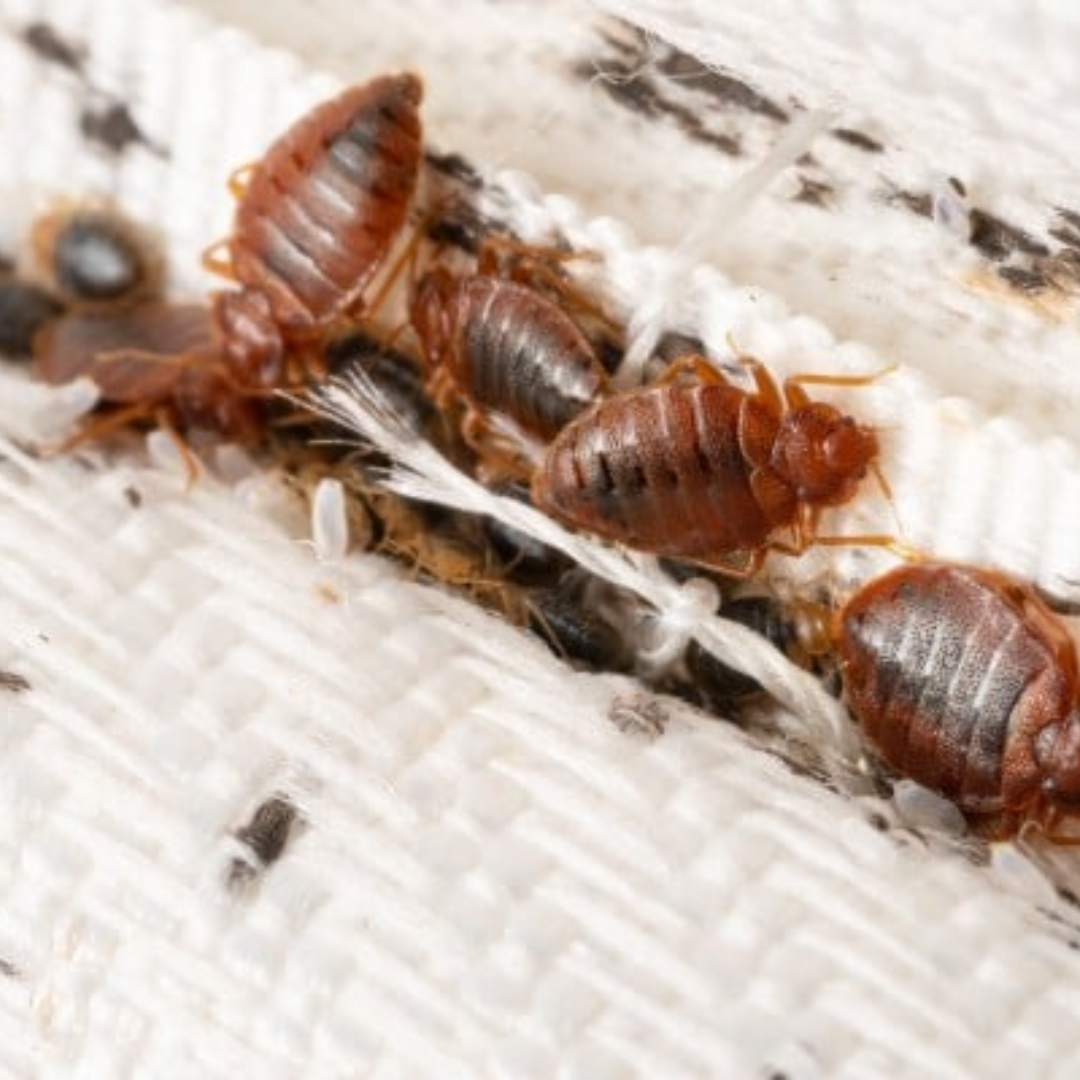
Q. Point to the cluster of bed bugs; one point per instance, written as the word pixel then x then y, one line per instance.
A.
pixel 960 678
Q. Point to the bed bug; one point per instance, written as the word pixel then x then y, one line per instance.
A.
pixel 153 363
pixel 95 255
pixel 707 472
pixel 316 218
pixel 504 348
pixel 965 681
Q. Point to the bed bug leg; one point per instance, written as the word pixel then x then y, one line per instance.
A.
pixel 407 259
pixel 540 267
pixel 694 365
pixel 192 469
pixel 501 457
pixel 795 395
pixel 99 426
pixel 240 178
pixel 217 259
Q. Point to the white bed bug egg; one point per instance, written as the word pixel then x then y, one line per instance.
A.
pixel 329 521
pixel 920 808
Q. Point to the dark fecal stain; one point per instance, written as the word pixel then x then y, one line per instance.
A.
pixel 643 77
pixel 1070 217
pixel 112 126
pixel 918 202
pixel 878 821
pixel 859 139
pixel 1067 896
pixel 13 682
pixel 814 192
pixel 265 836
pixel 133 497
pixel 958 186
pixel 997 239
pixel 455 167
pixel 1067 228
pixel 637 92
pixel 1024 280
pixel 720 85
pixel 1062 268
pixel 45 40
pixel 8 969
pixel 624 85
pixel 1066 236
pixel 692 124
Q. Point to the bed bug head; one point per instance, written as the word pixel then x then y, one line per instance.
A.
pixel 430 308
pixel 1057 751
pixel 823 453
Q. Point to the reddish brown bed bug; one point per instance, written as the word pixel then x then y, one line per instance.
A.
pixel 966 682
pixel 503 347
pixel 316 217
pixel 153 363
pixel 708 472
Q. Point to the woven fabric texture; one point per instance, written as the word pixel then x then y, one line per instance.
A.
pixel 484 872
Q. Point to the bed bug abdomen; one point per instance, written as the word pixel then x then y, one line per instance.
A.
pixel 667 469
pixel 323 206
pixel 953 673
pixel 506 349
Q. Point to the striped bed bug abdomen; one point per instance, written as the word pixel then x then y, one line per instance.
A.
pixel 674 470
pixel 964 681
pixel 323 206
pixel 506 349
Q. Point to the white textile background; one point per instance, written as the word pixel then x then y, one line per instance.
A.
pixel 491 879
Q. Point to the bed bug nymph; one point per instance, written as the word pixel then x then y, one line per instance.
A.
pixel 966 682
pixel 316 218
pixel 503 347
pixel 707 472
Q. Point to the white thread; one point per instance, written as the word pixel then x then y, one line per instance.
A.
pixel 649 321
pixel 420 471
pixel 671 628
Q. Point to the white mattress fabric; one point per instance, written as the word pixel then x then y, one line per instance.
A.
pixel 485 873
